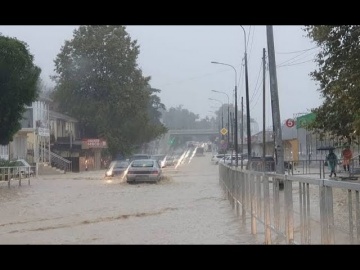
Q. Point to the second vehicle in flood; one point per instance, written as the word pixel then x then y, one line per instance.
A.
pixel 144 170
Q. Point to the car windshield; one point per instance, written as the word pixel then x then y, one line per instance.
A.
pixel 158 157
pixel 121 164
pixel 142 163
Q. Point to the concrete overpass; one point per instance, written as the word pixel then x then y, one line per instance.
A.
pixel 194 134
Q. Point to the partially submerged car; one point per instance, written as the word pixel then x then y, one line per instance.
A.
pixel 144 170
pixel 161 159
pixel 25 169
pixel 117 168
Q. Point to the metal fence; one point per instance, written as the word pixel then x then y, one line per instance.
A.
pixel 288 209
pixel 316 167
pixel 17 174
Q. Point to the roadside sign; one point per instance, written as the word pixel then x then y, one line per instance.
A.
pixel 304 120
pixel 290 122
pixel 223 131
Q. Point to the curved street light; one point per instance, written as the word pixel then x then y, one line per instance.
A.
pixel 236 144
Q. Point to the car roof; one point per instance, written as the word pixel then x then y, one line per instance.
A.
pixel 144 160
pixel 161 155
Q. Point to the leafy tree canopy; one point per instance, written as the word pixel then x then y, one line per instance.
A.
pixel 100 83
pixel 180 118
pixel 338 75
pixel 18 85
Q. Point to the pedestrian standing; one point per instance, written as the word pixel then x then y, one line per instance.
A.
pixel 347 156
pixel 332 161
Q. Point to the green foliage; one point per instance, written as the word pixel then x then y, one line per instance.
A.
pixel 7 163
pixel 179 118
pixel 339 81
pixel 100 83
pixel 18 85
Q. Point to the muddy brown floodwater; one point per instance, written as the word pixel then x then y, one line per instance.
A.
pixel 187 207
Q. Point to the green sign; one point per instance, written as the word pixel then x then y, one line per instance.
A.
pixel 304 120
pixel 171 141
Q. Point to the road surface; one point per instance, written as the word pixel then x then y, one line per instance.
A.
pixel 187 207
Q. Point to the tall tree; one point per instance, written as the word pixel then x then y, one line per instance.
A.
pixel 339 81
pixel 19 78
pixel 99 82
pixel 179 118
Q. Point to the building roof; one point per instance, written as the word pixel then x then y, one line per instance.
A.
pixel 57 115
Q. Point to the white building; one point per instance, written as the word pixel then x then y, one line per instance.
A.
pixel 33 139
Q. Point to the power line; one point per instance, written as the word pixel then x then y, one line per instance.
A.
pixel 248 34
pixel 305 50
pixel 257 81
pixel 295 64
pixel 251 44
pixel 293 58
pixel 258 96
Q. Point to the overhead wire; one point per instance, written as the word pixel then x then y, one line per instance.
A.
pixel 251 44
pixel 258 97
pixel 305 50
pixel 297 56
pixel 257 81
pixel 257 94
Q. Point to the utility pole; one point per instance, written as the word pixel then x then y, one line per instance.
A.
pixel 275 102
pixel 231 130
pixel 247 109
pixel 242 132
pixel 264 135
pixel 247 99
pixel 222 121
pixel 228 124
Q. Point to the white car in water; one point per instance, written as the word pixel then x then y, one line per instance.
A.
pixel 144 170
pixel 25 169
pixel 161 159
pixel 231 160
pixel 216 158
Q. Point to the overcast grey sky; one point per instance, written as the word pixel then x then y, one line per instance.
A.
pixel 178 59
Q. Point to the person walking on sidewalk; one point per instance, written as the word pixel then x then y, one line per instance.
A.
pixel 332 161
pixel 347 156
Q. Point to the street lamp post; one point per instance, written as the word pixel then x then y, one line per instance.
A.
pixel 247 100
pixel 228 113
pixel 236 113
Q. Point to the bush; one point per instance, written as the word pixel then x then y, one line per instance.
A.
pixel 7 163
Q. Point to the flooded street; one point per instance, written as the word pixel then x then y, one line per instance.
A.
pixel 187 207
